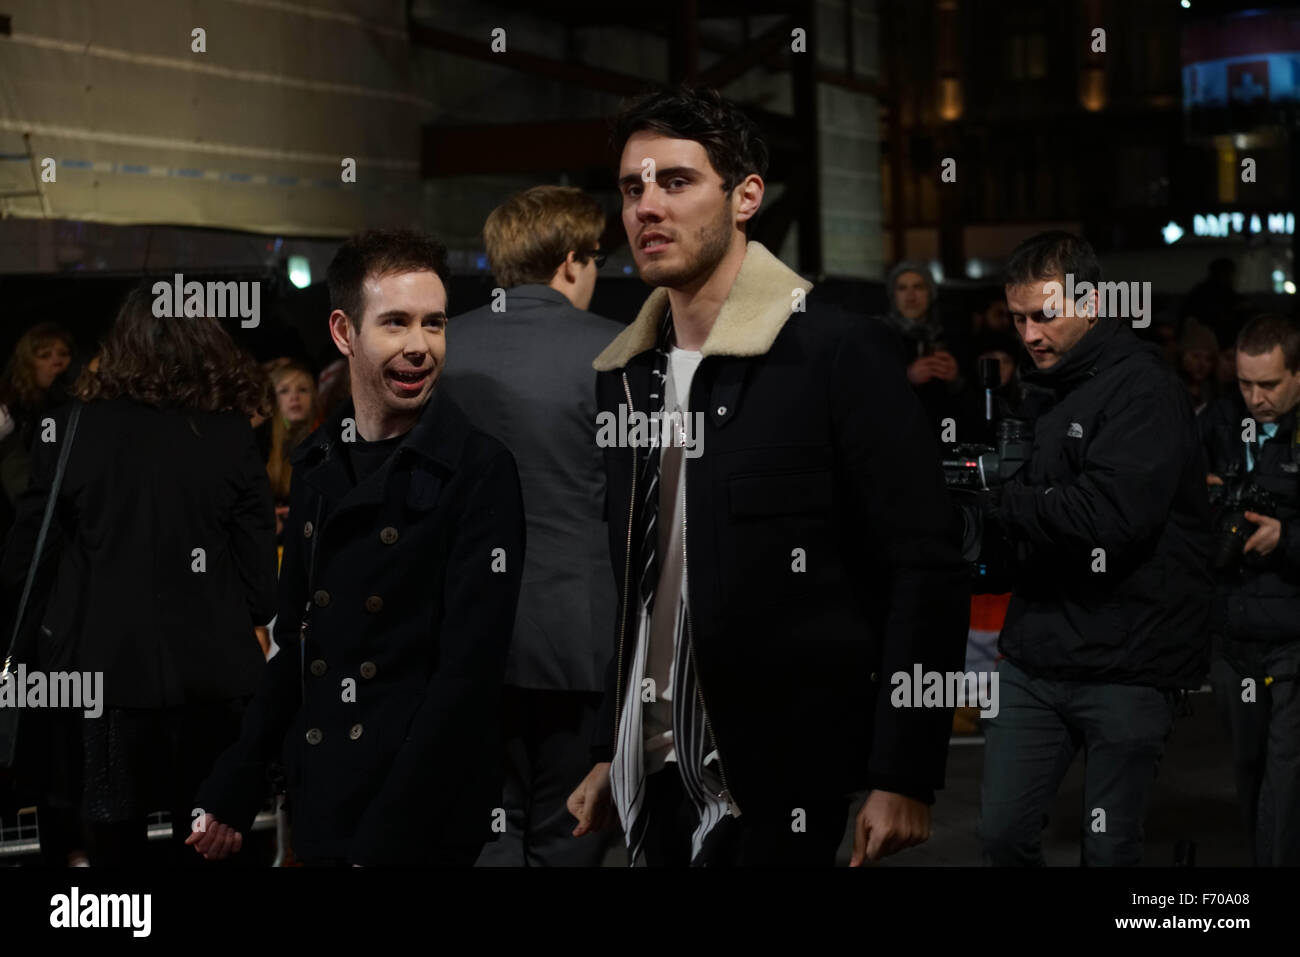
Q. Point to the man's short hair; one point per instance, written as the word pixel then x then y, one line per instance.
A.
pixel 1266 332
pixel 1051 254
pixel 729 137
pixel 530 234
pixel 380 252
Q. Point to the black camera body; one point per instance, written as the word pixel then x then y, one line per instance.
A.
pixel 1230 502
pixel 973 472
pixel 975 466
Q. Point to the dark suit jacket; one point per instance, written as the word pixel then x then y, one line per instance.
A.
pixel 386 709
pixel 524 375
pixel 127 593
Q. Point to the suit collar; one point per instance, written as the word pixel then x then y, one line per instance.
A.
pixel 538 292
pixel 757 307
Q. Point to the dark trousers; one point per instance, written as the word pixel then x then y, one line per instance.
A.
pixel 145 761
pixel 546 757
pixel 1040 726
pixel 751 840
pixel 1265 735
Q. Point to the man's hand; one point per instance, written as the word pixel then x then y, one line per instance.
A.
pixel 1266 536
pixel 1213 479
pixel 922 370
pixel 945 366
pixel 888 823
pixel 214 840
pixel 591 802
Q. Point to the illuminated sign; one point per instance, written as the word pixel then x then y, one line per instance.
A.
pixel 1229 224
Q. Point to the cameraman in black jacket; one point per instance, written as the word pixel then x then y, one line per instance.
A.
pixel 1109 516
pixel 1253 447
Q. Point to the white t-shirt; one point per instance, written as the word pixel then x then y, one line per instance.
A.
pixel 662 653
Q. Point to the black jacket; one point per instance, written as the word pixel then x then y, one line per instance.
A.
pixel 1116 465
pixel 412 593
pixel 813 441
pixel 1259 599
pixel 131 598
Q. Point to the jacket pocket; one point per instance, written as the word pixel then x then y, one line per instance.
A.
pixel 781 538
pixel 784 493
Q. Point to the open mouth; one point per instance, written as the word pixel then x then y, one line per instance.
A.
pixel 410 381
pixel 654 243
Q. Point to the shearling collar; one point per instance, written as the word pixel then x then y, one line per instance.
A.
pixel 760 301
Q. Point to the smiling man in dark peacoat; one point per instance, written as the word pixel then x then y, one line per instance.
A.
pixel 404 545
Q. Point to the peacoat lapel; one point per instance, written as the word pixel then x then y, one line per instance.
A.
pixel 415 473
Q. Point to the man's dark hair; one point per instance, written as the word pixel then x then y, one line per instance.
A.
pixel 732 140
pixel 1050 254
pixel 1266 332
pixel 380 252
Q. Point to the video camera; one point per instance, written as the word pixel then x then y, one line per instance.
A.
pixel 971 471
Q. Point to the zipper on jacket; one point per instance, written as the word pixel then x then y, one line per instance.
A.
pixel 725 793
pixel 627 575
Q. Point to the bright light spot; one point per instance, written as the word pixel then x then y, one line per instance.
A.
pixel 299 271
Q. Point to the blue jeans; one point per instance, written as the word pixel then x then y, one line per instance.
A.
pixel 1040 726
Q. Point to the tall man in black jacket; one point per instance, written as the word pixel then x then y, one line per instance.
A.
pixel 404 544
pixel 788 549
pixel 1253 439
pixel 1110 518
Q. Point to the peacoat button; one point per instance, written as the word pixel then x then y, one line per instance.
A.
pixel 374 604
pixel 354 732
pixel 318 667
pixel 321 598
pixel 388 535
pixel 367 669
pixel 307 529
pixel 314 736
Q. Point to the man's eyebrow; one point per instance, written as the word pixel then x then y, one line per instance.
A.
pixel 402 314
pixel 661 173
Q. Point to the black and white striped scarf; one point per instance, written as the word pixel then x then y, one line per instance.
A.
pixel 690 724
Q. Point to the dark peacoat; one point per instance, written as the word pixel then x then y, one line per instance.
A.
pixel 384 705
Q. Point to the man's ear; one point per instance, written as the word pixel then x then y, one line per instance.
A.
pixel 341 331
pixel 749 195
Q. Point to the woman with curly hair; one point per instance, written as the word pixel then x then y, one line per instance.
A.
pixel 161 562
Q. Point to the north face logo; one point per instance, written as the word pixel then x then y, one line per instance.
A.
pixel 1075 431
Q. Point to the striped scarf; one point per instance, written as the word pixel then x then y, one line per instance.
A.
pixel 690 724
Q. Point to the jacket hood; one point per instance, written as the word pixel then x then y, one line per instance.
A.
pixel 757 307
pixel 927 327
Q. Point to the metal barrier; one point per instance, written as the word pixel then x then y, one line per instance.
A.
pixel 21 836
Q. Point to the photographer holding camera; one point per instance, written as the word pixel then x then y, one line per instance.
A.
pixel 1253 448
pixel 1108 517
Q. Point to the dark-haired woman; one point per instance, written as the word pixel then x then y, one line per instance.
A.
pixel 163 562
pixel 34 381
